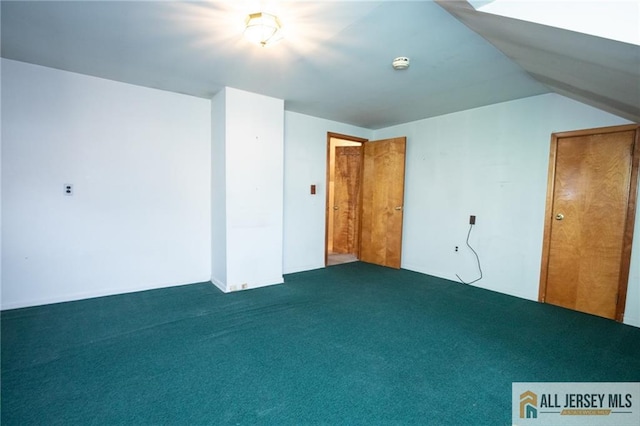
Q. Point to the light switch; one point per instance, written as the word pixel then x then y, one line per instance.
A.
pixel 313 190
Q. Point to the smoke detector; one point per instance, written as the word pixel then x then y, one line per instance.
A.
pixel 400 63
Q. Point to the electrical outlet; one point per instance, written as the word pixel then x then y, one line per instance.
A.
pixel 472 220
pixel 244 286
pixel 68 189
pixel 456 248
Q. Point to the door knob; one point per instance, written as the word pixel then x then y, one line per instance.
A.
pixel 335 207
pixel 559 216
pixel 399 208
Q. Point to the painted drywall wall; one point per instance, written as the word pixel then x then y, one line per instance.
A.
pixel 138 160
pixel 305 158
pixel 632 307
pixel 253 185
pixel 141 215
pixel 218 191
pixel 491 162
pixel 1 66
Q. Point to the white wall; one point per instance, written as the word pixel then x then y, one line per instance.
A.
pixel 1 66
pixel 632 309
pixel 142 217
pixel 139 162
pixel 253 186
pixel 305 158
pixel 218 191
pixel 491 162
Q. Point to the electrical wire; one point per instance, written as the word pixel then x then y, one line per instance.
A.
pixel 477 259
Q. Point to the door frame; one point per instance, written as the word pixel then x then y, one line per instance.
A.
pixel 332 135
pixel 630 214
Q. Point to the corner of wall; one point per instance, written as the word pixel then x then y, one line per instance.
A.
pixel 219 284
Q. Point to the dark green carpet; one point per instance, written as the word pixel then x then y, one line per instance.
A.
pixel 350 344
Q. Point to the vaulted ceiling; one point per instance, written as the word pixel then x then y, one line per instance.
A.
pixel 335 61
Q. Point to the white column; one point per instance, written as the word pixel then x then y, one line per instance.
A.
pixel 247 190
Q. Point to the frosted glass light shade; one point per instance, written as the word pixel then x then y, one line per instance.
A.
pixel 263 29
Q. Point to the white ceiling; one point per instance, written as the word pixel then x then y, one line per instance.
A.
pixel 335 61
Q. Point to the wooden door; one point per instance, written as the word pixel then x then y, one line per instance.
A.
pixel 591 201
pixel 346 194
pixel 382 202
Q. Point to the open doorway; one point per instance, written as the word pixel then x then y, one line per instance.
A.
pixel 344 174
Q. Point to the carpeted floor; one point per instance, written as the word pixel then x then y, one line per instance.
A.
pixel 350 344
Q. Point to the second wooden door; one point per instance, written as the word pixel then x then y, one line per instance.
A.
pixel 346 194
pixel 589 223
pixel 382 202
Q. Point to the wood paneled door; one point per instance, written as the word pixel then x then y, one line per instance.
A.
pixel 591 201
pixel 346 195
pixel 344 183
pixel 382 202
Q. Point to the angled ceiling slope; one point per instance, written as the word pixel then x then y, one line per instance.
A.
pixel 596 71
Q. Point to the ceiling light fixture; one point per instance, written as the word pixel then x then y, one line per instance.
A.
pixel 263 29
pixel 400 63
